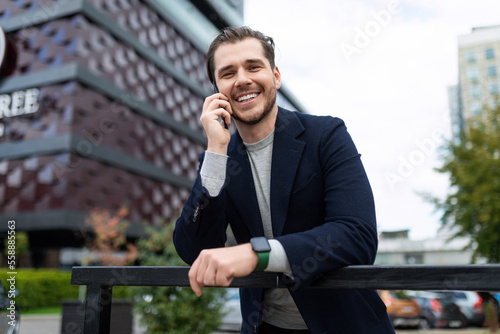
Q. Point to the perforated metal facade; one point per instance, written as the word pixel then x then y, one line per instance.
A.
pixel 101 110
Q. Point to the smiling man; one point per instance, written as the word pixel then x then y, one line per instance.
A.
pixel 248 81
pixel 294 191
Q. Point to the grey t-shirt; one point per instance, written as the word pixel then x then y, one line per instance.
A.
pixel 279 309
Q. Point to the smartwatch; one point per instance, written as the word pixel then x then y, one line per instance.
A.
pixel 261 247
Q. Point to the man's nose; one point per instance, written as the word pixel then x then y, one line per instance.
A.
pixel 242 79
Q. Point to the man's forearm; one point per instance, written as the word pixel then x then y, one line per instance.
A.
pixel 213 172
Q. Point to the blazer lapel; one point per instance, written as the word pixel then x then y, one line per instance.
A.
pixel 241 188
pixel 287 151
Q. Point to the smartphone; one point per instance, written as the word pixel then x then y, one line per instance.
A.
pixel 216 90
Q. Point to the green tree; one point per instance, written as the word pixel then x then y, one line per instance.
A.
pixel 173 310
pixel 472 205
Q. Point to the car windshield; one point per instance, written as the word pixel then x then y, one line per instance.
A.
pixel 458 295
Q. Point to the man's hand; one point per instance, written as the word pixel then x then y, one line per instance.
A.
pixel 215 106
pixel 218 266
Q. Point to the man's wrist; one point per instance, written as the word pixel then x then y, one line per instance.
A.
pixel 261 247
pixel 263 261
pixel 219 149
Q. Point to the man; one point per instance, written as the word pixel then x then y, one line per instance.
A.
pixel 293 190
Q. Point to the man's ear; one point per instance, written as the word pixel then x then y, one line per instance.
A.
pixel 277 77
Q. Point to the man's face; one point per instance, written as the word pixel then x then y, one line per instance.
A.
pixel 244 75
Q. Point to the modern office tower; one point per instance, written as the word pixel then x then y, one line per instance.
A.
pixel 456 115
pixel 101 110
pixel 479 74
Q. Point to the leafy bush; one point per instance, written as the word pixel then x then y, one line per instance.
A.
pixel 41 287
pixel 173 310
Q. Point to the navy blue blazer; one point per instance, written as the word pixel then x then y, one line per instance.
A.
pixel 322 212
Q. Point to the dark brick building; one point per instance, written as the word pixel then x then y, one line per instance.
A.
pixel 102 110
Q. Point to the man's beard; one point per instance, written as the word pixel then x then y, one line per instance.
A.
pixel 267 110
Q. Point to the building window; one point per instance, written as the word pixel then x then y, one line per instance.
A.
pixel 494 90
pixel 491 71
pixel 470 56
pixel 472 74
pixel 475 91
pixel 476 108
pixel 489 54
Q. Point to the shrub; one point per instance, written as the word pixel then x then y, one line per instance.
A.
pixel 41 287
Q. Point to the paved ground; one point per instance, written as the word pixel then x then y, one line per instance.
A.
pixel 43 324
pixel 51 324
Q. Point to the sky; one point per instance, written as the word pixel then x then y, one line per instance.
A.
pixel 383 66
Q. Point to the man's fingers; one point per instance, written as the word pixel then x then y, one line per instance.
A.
pixel 221 108
pixel 213 97
pixel 209 278
pixel 213 111
pixel 202 272
pixel 200 275
pixel 221 279
pixel 193 282
pixel 207 275
pixel 196 288
pixel 216 101
pixel 218 266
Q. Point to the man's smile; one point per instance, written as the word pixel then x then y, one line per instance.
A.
pixel 247 97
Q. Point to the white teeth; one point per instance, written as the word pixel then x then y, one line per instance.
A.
pixel 246 97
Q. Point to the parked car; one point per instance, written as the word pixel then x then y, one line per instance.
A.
pixel 403 311
pixel 438 310
pixel 9 318
pixel 471 304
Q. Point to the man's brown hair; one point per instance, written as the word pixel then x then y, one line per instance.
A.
pixel 232 35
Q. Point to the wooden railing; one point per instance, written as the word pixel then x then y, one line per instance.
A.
pixel 100 282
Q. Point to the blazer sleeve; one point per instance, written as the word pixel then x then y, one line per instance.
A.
pixel 202 222
pixel 346 234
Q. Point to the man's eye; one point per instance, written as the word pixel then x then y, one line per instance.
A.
pixel 227 74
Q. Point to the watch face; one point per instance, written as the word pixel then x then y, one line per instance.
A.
pixel 260 244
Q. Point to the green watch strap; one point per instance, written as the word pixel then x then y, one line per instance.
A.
pixel 263 261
